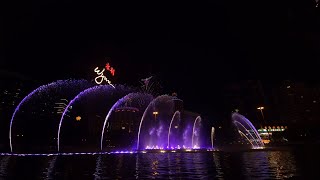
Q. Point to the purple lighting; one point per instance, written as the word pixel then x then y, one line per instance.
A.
pixel 103 96
pixel 162 128
pixel 101 118
pixel 49 91
pixel 137 100
pixel 247 130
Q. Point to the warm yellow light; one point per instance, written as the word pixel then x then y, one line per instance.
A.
pixel 78 118
pixel 265 141
pixel 155 113
pixel 260 108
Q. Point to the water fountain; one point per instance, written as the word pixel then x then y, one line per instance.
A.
pixel 132 100
pixel 155 122
pixel 162 127
pixel 175 122
pixel 247 130
pixel 88 117
pixel 196 133
pixel 35 115
pixel 89 106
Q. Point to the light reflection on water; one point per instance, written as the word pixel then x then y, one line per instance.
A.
pixel 270 164
pixel 209 165
pixel 4 163
pixel 49 172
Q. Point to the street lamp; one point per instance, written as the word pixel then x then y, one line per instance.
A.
pixel 261 108
pixel 264 121
pixel 155 113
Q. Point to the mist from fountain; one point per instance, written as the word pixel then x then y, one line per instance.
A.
pixel 163 128
pixel 155 123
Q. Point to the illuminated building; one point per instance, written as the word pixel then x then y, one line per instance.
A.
pixel 273 134
pixel 126 119
pixel 123 127
pixel 298 103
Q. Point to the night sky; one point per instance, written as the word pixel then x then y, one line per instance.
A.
pixel 194 48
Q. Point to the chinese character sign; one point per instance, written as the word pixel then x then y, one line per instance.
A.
pixel 110 69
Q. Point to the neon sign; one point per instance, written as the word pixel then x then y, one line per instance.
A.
pixel 101 77
pixel 110 69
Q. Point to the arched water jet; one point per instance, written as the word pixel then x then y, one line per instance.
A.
pixel 198 119
pixel 153 109
pixel 58 86
pixel 236 117
pixel 147 98
pixel 83 93
pixel 242 134
pixel 255 132
pixel 141 121
pixel 236 122
pixel 177 113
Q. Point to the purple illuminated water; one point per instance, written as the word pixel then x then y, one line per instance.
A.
pixel 154 125
pixel 132 100
pixel 247 130
pixel 196 133
pixel 91 105
pixel 38 109
pixel 173 134
pixel 85 116
pixel 162 127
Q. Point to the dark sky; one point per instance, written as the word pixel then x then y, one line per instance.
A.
pixel 193 47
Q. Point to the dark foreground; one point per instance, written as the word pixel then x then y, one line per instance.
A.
pixel 279 163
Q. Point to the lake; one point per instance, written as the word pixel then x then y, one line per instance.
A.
pixel 278 163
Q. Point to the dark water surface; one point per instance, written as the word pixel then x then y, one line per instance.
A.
pixel 297 163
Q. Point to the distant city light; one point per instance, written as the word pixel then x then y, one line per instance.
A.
pixel 78 118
